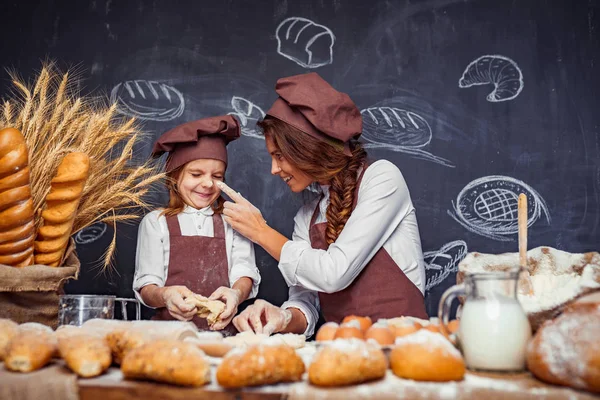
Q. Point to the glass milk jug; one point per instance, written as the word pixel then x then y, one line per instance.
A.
pixel 494 330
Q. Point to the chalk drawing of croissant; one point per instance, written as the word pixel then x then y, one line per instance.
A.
pixel 249 114
pixel 439 264
pixel 305 42
pixel 148 100
pixel 498 70
pixel 488 206
pixel 398 130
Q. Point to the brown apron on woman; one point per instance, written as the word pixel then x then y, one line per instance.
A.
pixel 381 290
pixel 199 263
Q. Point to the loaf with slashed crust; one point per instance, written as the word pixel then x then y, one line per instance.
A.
pixel 61 208
pixel 17 230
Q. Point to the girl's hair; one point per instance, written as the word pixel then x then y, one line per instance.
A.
pixel 323 162
pixel 176 203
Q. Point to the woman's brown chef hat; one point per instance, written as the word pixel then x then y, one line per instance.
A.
pixel 204 138
pixel 310 104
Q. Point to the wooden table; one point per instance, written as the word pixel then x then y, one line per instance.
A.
pixel 475 386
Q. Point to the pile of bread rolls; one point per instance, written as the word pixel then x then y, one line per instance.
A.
pixel 21 244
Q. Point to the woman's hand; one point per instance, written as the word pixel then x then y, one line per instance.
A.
pixel 242 215
pixel 174 299
pixel 232 299
pixel 263 317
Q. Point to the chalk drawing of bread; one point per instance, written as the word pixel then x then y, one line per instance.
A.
pixel 249 114
pixel 148 100
pixel 398 130
pixel 488 206
pixel 498 70
pixel 90 233
pixel 305 42
pixel 439 264
pixel 395 127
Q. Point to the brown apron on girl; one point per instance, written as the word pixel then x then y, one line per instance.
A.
pixel 199 263
pixel 381 290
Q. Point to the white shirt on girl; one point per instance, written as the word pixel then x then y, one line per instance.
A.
pixel 384 216
pixel 153 248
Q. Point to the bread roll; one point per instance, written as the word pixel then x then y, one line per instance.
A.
pixel 8 330
pixel 61 208
pixel 347 362
pixel 566 351
pixel 29 350
pixel 261 364
pixel 85 354
pixel 16 205
pixel 209 309
pixel 426 356
pixel 121 341
pixel 168 361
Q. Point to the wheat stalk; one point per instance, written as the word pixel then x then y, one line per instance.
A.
pixel 56 120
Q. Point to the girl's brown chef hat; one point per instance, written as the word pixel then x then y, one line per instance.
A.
pixel 204 138
pixel 310 104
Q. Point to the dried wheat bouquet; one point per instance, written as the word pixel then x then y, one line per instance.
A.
pixel 56 120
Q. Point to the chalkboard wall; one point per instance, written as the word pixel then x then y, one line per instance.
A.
pixel 475 102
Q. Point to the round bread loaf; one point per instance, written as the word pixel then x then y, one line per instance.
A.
pixel 566 351
pixel 347 362
pixel 427 356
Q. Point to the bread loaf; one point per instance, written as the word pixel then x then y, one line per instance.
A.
pixel 566 351
pixel 168 361
pixel 260 365
pixel 85 354
pixel 17 230
pixel 8 330
pixel 347 362
pixel 29 350
pixel 61 208
pixel 427 356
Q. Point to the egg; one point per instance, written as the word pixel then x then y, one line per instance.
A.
pixel 381 334
pixel 453 326
pixel 365 322
pixel 349 330
pixel 327 331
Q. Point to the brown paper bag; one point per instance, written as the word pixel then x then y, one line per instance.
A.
pixel 31 294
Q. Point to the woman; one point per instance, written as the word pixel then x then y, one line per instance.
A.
pixel 357 249
pixel 186 248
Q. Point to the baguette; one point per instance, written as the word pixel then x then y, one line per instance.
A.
pixel 8 330
pixel 61 208
pixel 87 355
pixel 16 205
pixel 168 361
pixel 30 350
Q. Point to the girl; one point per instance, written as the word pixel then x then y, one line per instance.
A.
pixel 186 248
pixel 357 249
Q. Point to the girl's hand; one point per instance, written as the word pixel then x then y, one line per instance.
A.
pixel 174 298
pixel 232 299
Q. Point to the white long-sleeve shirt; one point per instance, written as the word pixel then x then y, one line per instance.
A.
pixel 153 248
pixel 384 216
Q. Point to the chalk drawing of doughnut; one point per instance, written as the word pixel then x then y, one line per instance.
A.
pixel 398 130
pixel 249 114
pixel 439 264
pixel 148 100
pixel 488 206
pixel 502 72
pixel 305 42
pixel 91 233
